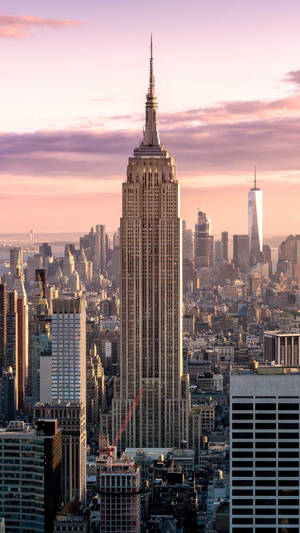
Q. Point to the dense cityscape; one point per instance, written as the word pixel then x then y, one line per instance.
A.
pixel 149 377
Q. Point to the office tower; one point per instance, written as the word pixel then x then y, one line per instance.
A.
pixel 289 257
pixel 203 242
pixel 255 223
pixel 289 249
pixel 33 263
pixel 116 238
pixel 41 354
pixel 15 259
pixel 88 243
pixel 30 471
pixel 22 310
pixel 45 250
pixel 151 368
pixel 52 437
pixel 74 282
pixel 267 253
pixel 9 395
pixel 82 265
pixel 3 320
pixel 224 238
pixel 187 243
pixel 40 277
pixel 218 252
pixel 264 457
pixel 241 252
pixel 71 420
pixel 119 485
pixel 283 348
pixel 189 277
pixel 11 358
pixel 95 391
pixel 68 374
pixel 115 264
pixel 68 263
pixel 109 348
pixel 100 249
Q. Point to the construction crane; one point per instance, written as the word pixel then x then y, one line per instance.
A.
pixel 109 449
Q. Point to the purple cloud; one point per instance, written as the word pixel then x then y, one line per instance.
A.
pixel 293 76
pixel 210 148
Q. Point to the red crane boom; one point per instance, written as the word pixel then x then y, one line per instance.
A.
pixel 128 417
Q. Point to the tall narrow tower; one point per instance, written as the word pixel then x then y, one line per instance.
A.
pixel 151 296
pixel 255 222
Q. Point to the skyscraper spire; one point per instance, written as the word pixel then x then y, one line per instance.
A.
pixel 255 221
pixel 151 136
pixel 151 78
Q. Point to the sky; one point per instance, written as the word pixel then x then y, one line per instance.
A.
pixel 73 81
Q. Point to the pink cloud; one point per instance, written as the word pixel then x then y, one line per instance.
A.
pixel 16 27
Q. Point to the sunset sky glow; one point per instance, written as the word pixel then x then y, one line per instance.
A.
pixel 73 81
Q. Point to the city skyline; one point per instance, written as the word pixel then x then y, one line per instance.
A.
pixel 59 135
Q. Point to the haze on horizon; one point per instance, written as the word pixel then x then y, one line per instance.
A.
pixel 74 80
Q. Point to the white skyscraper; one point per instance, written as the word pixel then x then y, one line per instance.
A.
pixel 255 222
pixel 68 360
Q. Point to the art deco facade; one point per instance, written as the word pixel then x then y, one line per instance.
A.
pixel 151 293
pixel 255 223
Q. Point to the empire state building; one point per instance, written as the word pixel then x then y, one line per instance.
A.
pixel 151 366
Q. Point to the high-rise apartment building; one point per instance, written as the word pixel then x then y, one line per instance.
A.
pixel 30 476
pixel 71 420
pixel 151 366
pixel 203 242
pixel 68 361
pixel 241 252
pixel 255 223
pixel 119 486
pixel 283 348
pixel 264 457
